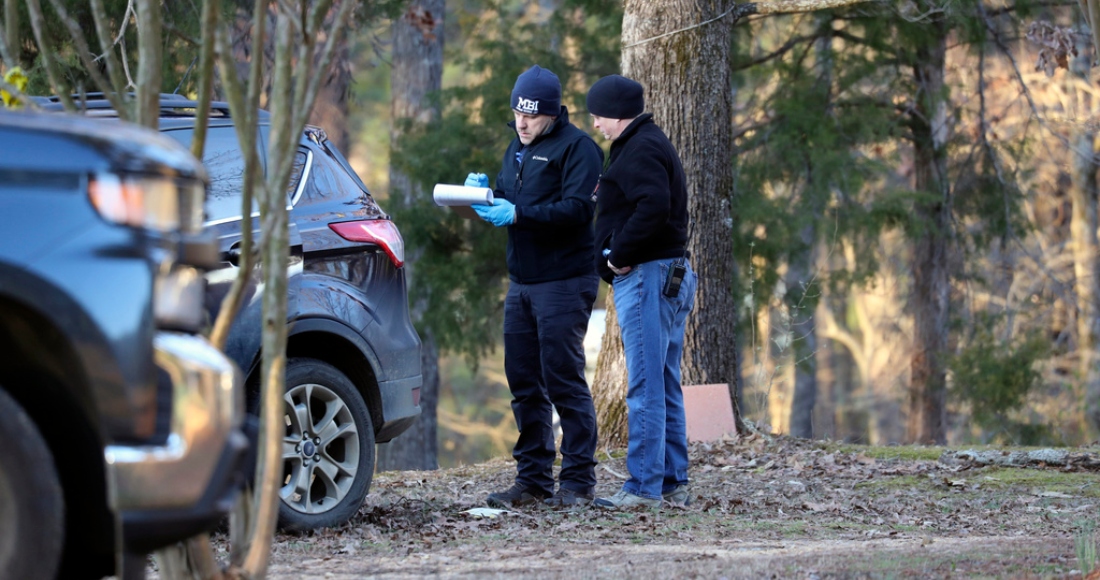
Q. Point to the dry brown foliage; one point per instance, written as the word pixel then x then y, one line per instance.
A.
pixel 761 508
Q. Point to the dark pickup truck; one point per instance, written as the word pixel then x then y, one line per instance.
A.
pixel 123 426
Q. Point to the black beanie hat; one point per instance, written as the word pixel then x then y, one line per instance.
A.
pixel 537 92
pixel 616 97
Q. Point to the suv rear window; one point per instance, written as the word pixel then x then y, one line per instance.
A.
pixel 225 164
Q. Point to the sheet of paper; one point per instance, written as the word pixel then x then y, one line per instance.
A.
pixel 460 197
pixel 451 195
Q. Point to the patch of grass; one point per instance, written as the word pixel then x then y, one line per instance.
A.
pixel 296 546
pixel 902 452
pixel 794 529
pixel 1076 484
pixel 782 528
pixel 613 454
pixel 1008 479
pixel 1084 543
pixel 907 482
pixel 929 562
pixel 912 452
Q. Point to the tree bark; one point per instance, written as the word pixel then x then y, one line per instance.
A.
pixel 1083 223
pixel 802 279
pixel 928 392
pixel 417 72
pixel 331 111
pixel 609 384
pixel 12 40
pixel 150 61
pixel 803 331
pixel 687 80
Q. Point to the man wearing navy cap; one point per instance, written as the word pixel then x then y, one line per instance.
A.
pixel 544 196
pixel 641 238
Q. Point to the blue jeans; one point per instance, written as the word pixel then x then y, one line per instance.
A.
pixel 544 327
pixel 652 326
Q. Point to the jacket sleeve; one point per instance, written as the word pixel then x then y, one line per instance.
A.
pixel 581 164
pixel 498 184
pixel 647 187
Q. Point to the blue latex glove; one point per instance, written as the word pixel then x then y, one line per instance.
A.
pixel 501 213
pixel 477 180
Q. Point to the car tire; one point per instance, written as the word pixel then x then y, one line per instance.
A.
pixel 32 505
pixel 328 450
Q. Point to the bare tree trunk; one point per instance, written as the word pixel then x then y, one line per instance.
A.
pixel 687 79
pixel 331 112
pixel 609 385
pixel 824 411
pixel 417 72
pixel 150 61
pixel 12 40
pixel 802 279
pixel 1083 232
pixel 803 331
pixel 772 371
pixel 928 392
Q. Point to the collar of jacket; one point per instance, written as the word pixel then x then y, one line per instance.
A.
pixel 632 128
pixel 559 122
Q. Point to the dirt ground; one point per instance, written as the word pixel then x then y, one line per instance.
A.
pixel 761 508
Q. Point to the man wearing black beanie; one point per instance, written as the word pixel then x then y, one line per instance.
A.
pixel 641 238
pixel 543 195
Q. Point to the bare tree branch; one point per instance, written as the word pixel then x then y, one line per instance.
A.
pixel 84 53
pixel 795 6
pixel 150 62
pixel 339 25
pixel 778 52
pixel 210 10
pixel 9 31
pixel 118 79
pixel 59 88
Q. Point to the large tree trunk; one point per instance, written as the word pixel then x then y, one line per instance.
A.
pixel 417 72
pixel 803 331
pixel 1083 232
pixel 331 112
pixel 687 81
pixel 928 394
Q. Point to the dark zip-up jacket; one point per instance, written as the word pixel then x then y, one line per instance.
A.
pixel 552 189
pixel 641 201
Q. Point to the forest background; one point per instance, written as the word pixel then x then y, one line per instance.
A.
pixel 825 212
pixel 830 213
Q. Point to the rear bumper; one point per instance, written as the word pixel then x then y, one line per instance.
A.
pixel 165 493
pixel 400 406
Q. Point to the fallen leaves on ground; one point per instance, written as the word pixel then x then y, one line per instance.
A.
pixel 808 508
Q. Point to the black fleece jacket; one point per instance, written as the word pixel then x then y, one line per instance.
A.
pixel 552 189
pixel 641 205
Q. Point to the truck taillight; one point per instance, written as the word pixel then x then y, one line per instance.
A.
pixel 152 202
pixel 381 232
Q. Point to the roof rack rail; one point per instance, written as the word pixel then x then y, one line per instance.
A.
pixel 171 105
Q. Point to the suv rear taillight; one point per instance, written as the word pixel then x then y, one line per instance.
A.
pixel 380 232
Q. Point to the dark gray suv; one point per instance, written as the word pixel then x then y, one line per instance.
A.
pixel 353 357
pixel 122 426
